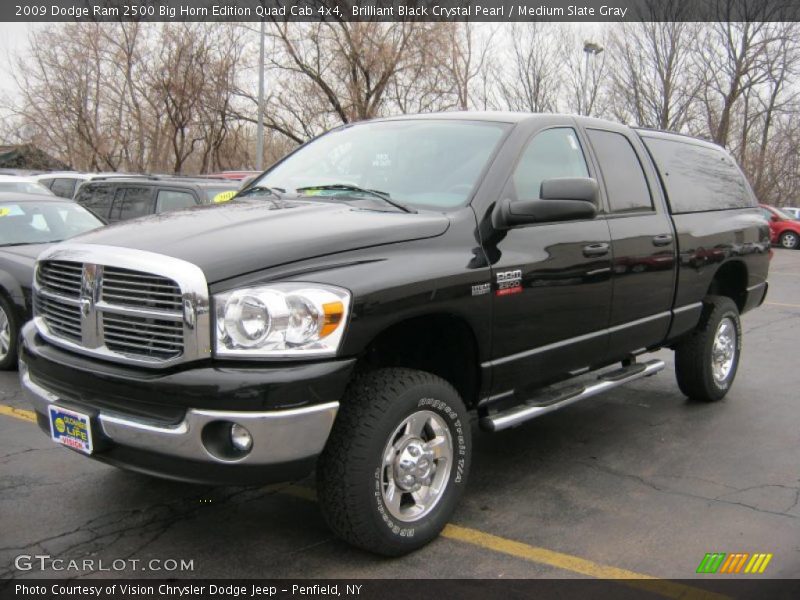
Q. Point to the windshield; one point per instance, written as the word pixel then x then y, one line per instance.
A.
pixel 24 187
pixel 42 222
pixel 427 163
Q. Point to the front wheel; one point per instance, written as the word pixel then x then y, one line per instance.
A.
pixel 706 362
pixel 790 240
pixel 396 462
pixel 9 335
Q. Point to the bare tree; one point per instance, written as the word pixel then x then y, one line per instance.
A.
pixel 531 79
pixel 650 80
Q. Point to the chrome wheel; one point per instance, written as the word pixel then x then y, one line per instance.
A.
pixel 789 240
pixel 723 352
pixel 417 461
pixel 5 334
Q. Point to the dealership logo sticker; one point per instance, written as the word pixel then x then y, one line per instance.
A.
pixel 720 563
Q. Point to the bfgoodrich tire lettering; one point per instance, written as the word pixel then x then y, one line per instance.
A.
pixel 353 473
pixel 706 362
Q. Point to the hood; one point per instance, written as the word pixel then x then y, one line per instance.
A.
pixel 242 237
pixel 24 254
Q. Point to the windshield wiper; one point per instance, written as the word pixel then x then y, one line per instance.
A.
pixel 261 188
pixel 346 187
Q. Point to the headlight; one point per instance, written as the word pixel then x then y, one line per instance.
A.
pixel 281 319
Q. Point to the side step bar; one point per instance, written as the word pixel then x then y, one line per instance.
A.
pixel 569 395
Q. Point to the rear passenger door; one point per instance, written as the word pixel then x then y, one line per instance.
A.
pixel 642 242
pixel 131 202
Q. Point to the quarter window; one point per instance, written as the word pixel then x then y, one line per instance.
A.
pixel 64 187
pixel 699 177
pixel 625 182
pixel 172 200
pixel 550 154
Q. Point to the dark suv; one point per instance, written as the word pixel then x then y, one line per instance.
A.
pixel 119 199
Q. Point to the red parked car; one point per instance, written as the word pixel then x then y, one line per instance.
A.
pixel 236 175
pixel 783 228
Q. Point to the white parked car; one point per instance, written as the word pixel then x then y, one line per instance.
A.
pixel 63 183
pixel 792 211
pixel 22 185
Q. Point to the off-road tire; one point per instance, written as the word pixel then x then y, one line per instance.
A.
pixel 350 469
pixel 693 356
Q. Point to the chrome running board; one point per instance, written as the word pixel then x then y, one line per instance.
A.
pixel 536 407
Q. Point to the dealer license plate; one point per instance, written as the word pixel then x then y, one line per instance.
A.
pixel 71 428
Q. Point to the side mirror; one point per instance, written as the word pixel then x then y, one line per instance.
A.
pixel 562 199
pixel 774 218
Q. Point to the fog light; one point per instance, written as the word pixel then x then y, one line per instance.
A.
pixel 241 438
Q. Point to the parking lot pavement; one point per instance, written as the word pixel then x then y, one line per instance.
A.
pixel 639 481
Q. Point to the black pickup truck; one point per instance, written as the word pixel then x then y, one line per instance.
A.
pixel 383 288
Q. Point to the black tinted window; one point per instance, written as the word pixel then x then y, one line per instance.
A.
pixel 132 202
pixel 172 200
pixel 624 179
pixel 97 197
pixel 550 154
pixel 63 187
pixel 698 178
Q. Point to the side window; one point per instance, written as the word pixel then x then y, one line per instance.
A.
pixel 767 213
pixel 63 187
pixel 172 200
pixel 697 177
pixel 96 197
pixel 626 184
pixel 132 202
pixel 48 182
pixel 551 153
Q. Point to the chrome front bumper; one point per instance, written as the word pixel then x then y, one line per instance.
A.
pixel 279 436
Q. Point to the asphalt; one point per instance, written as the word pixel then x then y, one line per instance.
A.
pixel 638 479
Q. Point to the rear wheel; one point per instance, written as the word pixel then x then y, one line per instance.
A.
pixel 790 240
pixel 706 362
pixel 9 333
pixel 396 462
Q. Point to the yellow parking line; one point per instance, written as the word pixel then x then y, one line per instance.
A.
pixel 17 413
pixel 474 537
pixel 575 564
pixel 782 304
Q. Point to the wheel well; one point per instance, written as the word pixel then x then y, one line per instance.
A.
pixel 731 281
pixel 440 344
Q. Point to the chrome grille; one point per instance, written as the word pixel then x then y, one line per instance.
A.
pixel 151 337
pixel 61 276
pixel 94 300
pixel 132 288
pixel 62 318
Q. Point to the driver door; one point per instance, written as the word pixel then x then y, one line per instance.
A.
pixel 551 281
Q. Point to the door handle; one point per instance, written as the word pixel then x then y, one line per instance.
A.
pixel 596 249
pixel 665 239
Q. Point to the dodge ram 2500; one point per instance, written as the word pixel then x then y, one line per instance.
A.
pixel 384 287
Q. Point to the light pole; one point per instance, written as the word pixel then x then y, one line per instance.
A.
pixel 589 49
pixel 260 121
